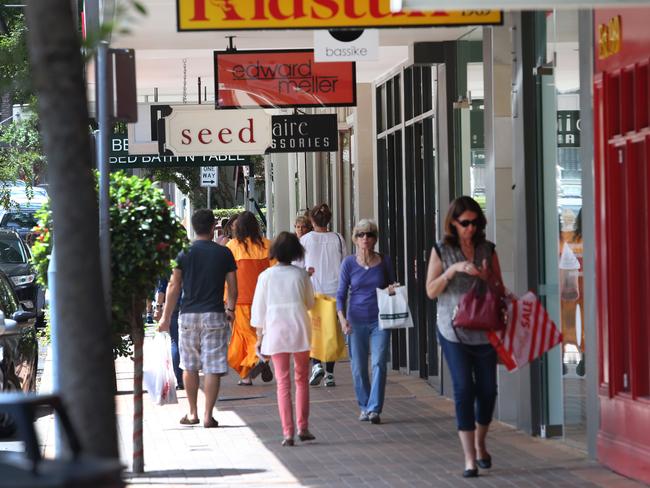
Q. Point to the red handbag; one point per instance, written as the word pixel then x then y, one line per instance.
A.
pixel 483 307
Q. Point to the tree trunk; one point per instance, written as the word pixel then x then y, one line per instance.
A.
pixel 137 336
pixel 86 367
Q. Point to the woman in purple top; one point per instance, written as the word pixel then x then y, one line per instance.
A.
pixel 361 275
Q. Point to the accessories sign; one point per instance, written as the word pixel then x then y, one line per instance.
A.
pixel 196 15
pixel 304 133
pixel 282 78
pixel 197 130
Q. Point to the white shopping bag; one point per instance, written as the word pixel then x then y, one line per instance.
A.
pixel 158 370
pixel 394 310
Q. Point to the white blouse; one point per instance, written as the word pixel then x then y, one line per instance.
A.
pixel 324 251
pixel 283 296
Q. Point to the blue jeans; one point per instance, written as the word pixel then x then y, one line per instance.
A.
pixel 474 375
pixel 369 338
pixel 176 355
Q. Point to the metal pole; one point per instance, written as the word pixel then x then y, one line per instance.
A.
pixel 103 120
pixel 209 197
pixel 54 338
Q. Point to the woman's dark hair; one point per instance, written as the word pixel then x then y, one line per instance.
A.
pixel 456 209
pixel 286 248
pixel 577 233
pixel 321 215
pixel 247 227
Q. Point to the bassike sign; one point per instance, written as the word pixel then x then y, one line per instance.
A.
pixel 193 15
pixel 199 130
pixel 363 48
pixel 304 133
pixel 281 78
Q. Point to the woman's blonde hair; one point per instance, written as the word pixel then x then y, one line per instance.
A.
pixel 365 225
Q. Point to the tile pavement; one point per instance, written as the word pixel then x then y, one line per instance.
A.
pixel 415 446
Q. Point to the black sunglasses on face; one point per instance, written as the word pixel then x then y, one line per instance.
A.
pixel 467 223
pixel 359 235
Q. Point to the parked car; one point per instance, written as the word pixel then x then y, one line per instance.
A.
pixel 18 348
pixel 22 220
pixel 15 262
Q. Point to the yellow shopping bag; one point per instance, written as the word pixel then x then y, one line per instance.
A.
pixel 327 341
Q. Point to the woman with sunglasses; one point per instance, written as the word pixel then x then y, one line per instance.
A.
pixel 461 258
pixel 356 303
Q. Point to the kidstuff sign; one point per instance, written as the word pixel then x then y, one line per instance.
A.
pixel 315 14
pixel 246 79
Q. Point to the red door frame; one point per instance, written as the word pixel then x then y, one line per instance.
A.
pixel 622 180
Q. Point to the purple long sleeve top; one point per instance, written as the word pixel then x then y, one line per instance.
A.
pixel 358 288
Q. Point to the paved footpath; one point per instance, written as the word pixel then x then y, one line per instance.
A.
pixel 415 446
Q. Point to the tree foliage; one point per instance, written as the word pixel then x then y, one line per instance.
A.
pixel 15 77
pixel 145 237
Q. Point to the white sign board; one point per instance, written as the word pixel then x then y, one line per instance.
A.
pixel 210 176
pixel 200 130
pixel 364 48
pixel 481 5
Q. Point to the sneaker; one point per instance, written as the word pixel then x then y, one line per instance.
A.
pixel 317 373
pixel 267 374
pixel 363 417
pixel 329 380
pixel 374 418
pixel 257 369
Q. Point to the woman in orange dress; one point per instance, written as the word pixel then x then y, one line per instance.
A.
pixel 251 252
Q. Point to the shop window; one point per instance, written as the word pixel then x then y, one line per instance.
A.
pixel 390 108
pixel 417 90
pixel 408 93
pixel 379 104
pixel 397 100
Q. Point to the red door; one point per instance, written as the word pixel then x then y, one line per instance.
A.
pixel 622 178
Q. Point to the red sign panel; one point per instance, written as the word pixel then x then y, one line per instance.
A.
pixel 270 79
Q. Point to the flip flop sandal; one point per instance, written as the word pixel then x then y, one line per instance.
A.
pixel 211 424
pixel 245 383
pixel 186 421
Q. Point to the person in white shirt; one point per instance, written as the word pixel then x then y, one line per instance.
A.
pixel 283 297
pixel 324 252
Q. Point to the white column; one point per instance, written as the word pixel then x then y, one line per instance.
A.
pixel 282 189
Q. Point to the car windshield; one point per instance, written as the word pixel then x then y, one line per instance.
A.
pixel 23 220
pixel 12 251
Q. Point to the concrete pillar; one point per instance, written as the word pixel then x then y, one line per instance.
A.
pixel 282 189
pixel 363 154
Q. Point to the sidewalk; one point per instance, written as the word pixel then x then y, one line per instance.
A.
pixel 416 444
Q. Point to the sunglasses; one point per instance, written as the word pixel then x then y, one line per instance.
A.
pixel 359 235
pixel 467 223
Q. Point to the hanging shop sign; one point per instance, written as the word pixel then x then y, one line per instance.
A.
pixel 282 78
pixel 568 128
pixel 304 133
pixel 200 130
pixel 364 47
pixel 411 5
pixel 121 158
pixel 197 15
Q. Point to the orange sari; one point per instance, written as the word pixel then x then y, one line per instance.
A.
pixel 242 354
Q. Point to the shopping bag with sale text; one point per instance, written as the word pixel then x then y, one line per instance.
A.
pixel 529 334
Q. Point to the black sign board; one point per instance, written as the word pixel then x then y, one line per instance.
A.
pixel 121 159
pixel 568 128
pixel 304 133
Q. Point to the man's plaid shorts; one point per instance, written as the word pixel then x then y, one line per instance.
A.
pixel 203 342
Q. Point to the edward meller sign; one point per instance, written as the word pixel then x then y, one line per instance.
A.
pixel 304 133
pixel 193 15
pixel 199 130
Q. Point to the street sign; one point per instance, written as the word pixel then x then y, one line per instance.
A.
pixel 210 176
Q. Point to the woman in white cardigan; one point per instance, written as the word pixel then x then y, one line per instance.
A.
pixel 283 297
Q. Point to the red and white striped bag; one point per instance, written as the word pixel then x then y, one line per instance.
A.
pixel 529 333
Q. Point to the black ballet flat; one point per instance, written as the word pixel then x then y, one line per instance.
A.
pixel 470 473
pixel 485 463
